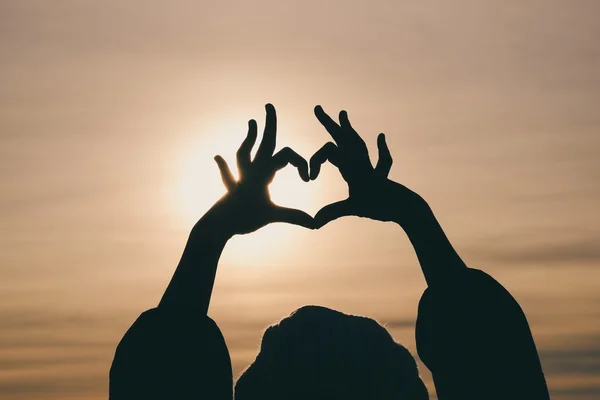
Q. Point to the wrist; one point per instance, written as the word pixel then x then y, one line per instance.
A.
pixel 213 226
pixel 407 208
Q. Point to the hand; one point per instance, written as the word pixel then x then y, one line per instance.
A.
pixel 371 193
pixel 247 205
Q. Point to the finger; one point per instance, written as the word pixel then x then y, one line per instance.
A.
pixel 330 152
pixel 384 164
pixel 268 142
pixel 292 216
pixel 243 153
pixel 332 127
pixel 226 175
pixel 348 130
pixel 334 211
pixel 287 156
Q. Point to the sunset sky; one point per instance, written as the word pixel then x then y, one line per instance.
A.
pixel 111 113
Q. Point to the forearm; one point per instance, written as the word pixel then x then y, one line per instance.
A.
pixel 438 259
pixel 193 280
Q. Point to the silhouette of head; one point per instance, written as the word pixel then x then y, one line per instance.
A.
pixel 318 353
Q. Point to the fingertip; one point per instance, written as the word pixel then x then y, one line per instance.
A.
pixel 303 169
pixel 343 116
pixel 293 216
pixel 269 107
pixel 320 221
pixel 319 225
pixel 308 222
pixel 252 129
pixel 221 163
pixel 318 109
pixel 313 174
pixel 381 138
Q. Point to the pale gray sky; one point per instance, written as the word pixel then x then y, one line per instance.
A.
pixel 111 112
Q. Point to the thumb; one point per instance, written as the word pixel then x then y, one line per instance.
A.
pixel 334 211
pixel 292 216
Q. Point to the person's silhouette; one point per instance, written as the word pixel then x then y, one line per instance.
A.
pixel 176 351
pixel 471 333
pixel 321 354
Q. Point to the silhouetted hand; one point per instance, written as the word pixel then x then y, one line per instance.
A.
pixel 247 205
pixel 371 193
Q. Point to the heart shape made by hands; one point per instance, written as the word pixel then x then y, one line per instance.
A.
pixel 371 193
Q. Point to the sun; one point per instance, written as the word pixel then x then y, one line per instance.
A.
pixel 197 186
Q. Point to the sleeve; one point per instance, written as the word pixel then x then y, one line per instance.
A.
pixel 169 354
pixel 475 339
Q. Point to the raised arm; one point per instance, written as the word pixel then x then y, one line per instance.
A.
pixel 176 351
pixel 471 333
pixel 373 195
pixel 245 208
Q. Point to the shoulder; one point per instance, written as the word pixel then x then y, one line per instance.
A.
pixel 159 323
pixel 472 310
pixel 470 288
pixel 168 351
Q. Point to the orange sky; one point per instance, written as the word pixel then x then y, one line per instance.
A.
pixel 111 112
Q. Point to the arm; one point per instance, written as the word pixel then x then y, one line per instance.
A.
pixel 471 333
pixel 245 208
pixel 372 195
pixel 193 280
pixel 437 257
pixel 175 350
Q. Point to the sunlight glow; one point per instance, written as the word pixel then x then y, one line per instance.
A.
pixel 199 186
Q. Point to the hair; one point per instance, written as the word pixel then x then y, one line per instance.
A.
pixel 319 353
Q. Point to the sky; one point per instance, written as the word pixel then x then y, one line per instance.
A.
pixel 111 113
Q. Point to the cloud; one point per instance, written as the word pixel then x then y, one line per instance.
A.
pixel 591 391
pixel 399 324
pixel 55 354
pixel 59 385
pixel 583 360
pixel 580 251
